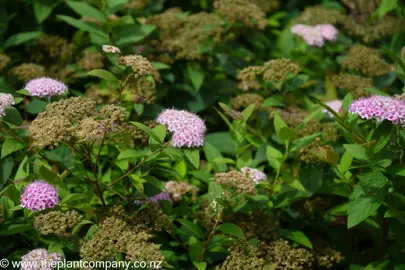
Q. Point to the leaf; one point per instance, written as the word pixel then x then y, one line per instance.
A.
pixel 77 227
pixel 393 56
pixel 160 66
pixel 296 236
pixel 195 248
pixel 42 9
pixel 104 74
pixel 6 168
pixel 345 162
pixel 130 34
pixel 311 178
pixel 232 229
pixel 85 26
pixel 160 132
pixel 86 10
pixel 10 146
pixel 194 228
pixel 356 151
pixel 246 113
pixel 148 130
pixel 287 134
pixel 294 83
pixel 196 75
pixel 215 192
pixel 275 157
pixel 21 38
pixel 272 102
pixel 347 101
pixel 279 124
pixel 36 106
pixel 193 155
pixel 13 116
pixel 221 141
pixel 200 265
pixel 211 153
pixel 72 198
pixel 385 7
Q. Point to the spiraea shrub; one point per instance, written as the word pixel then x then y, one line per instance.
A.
pixel 204 134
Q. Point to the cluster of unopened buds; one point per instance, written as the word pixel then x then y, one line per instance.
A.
pixel 315 35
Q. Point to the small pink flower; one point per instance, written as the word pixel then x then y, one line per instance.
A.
pixel 40 259
pixel 188 129
pixel 163 196
pixel 111 49
pixel 256 175
pixel 39 195
pixel 6 100
pixel 335 105
pixel 381 108
pixel 328 31
pixel 45 87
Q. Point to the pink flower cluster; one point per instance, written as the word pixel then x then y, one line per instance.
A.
pixel 40 259
pixel 163 196
pixel 335 105
pixel 315 35
pixel 381 108
pixel 188 129
pixel 256 175
pixel 39 195
pixel 45 87
pixel 6 100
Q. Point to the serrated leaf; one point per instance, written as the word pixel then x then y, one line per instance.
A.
pixel 357 151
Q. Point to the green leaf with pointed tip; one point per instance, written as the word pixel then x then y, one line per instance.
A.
pixel 86 10
pixel 196 75
pixel 104 74
pixel 193 155
pixel 21 38
pixel 10 146
pixel 231 229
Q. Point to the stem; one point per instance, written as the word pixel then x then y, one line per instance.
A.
pixel 211 234
pixel 287 149
pixel 123 84
pixel 134 168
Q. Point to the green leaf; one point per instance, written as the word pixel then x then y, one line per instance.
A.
pixel 200 265
pixel 196 75
pixel 6 168
pixel 36 106
pixel 130 34
pixel 160 132
pixel 160 66
pixel 193 155
pixel 195 248
pixel 385 7
pixel 287 134
pixel 194 228
pixel 394 57
pixel 232 229
pixel 73 198
pixel 85 26
pixel 296 236
pixel 148 130
pixel 104 74
pixel 347 101
pixel 356 151
pixel 42 9
pixel 279 124
pixel 247 112
pixel 138 183
pixel 221 141
pixel 215 192
pixel 21 38
pixel 345 162
pixel 10 146
pixel 13 116
pixel 275 157
pixel 77 227
pixel 86 10
pixel 293 84
pixel 211 153
pixel 301 142
pixel 272 102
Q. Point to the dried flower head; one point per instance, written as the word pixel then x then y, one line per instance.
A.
pixel 279 69
pixel 39 258
pixel 293 116
pixel 267 5
pixel 91 60
pixel 45 87
pixel 236 182
pixel 4 61
pixel 367 60
pixel 163 196
pixel 6 100
pixel 139 64
pixel 244 100
pixel 53 47
pixel 244 256
pixel 56 222
pixel 28 71
pixel 380 108
pixel 256 175
pixel 39 195
pixel 248 78
pixel 137 4
pixel 327 257
pixel 74 108
pixel 314 15
pixel 335 105
pixel 188 129
pixel 50 130
pixel 317 152
pixel 111 49
pixel 242 11
pixel 354 84
pixel 178 189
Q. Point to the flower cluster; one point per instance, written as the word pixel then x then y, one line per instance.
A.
pixel 188 129
pixel 4 61
pixel 28 71
pixel 6 100
pixel 39 195
pixel 45 87
pixel 111 49
pixel 315 35
pixel 381 108
pixel 354 84
pixel 56 222
pixel 163 196
pixel 256 175
pixel 41 257
pixel 335 105
pixel 178 189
